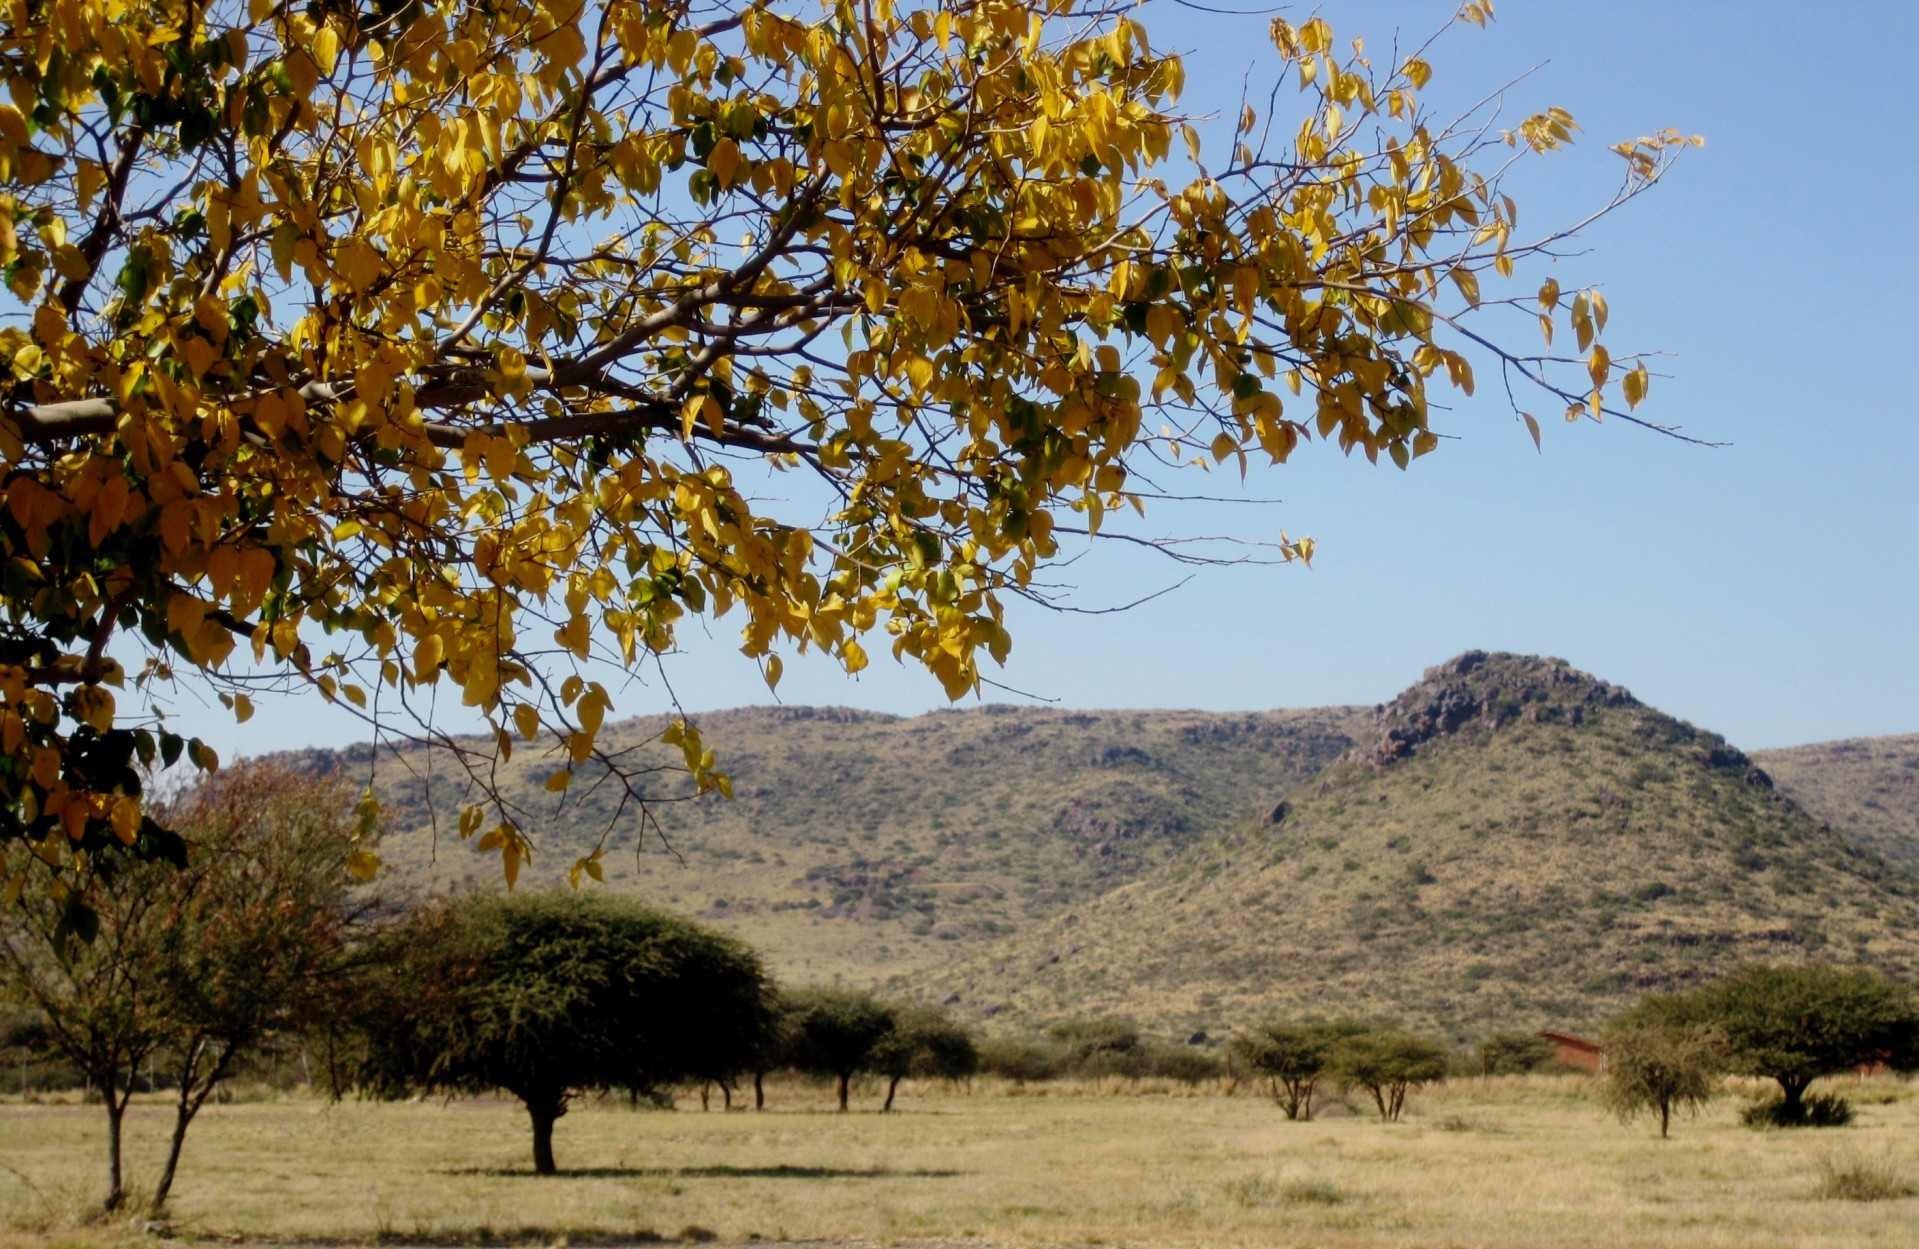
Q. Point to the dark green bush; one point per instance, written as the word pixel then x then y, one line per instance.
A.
pixel 1819 1110
pixel 1023 1061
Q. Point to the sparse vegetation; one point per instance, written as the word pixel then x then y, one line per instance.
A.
pixel 1051 1165
pixel 1531 911
pixel 1865 786
pixel 1854 1177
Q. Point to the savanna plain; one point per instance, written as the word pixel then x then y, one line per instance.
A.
pixel 1512 1161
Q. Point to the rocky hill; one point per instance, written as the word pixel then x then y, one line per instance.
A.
pixel 1867 786
pixel 1511 843
pixel 861 845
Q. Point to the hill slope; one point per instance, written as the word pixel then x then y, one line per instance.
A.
pixel 1867 786
pixel 1517 844
pixel 862 845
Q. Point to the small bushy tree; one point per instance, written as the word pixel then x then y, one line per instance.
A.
pixel 1091 1045
pixel 186 966
pixel 1656 1064
pixel 926 1043
pixel 834 1032
pixel 1387 1063
pixel 1293 1057
pixel 547 995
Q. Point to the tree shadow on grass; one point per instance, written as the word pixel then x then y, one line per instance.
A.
pixel 778 1172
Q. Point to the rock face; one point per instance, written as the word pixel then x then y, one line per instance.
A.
pixel 1481 692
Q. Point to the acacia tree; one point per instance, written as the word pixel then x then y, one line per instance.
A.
pixel 924 1042
pixel 1294 1057
pixel 834 1032
pixel 548 995
pixel 1513 1053
pixel 1656 1062
pixel 1388 1064
pixel 379 347
pixel 1794 1024
pixel 186 967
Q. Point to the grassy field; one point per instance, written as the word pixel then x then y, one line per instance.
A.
pixel 1514 1162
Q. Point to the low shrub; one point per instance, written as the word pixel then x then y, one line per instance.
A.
pixel 1312 1193
pixel 1819 1110
pixel 1853 1178
pixel 1266 1190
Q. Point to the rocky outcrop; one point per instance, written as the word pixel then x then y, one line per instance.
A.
pixel 1478 691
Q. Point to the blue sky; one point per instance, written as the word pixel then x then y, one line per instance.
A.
pixel 1765 588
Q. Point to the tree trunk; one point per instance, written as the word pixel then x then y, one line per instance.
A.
pixel 759 1090
pixel 892 1087
pixel 1665 1117
pixel 545 1110
pixel 846 1079
pixel 116 1108
pixel 726 1095
pixel 195 1088
pixel 1794 1088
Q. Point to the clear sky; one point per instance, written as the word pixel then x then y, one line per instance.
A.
pixel 1767 588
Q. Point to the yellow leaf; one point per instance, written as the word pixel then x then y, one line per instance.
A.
pixel 724 161
pixel 1599 366
pixel 510 853
pixel 557 782
pixel 325 47
pixel 363 864
pixel 1636 382
pixel 1468 283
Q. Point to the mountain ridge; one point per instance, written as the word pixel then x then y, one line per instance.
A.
pixel 870 848
pixel 1516 844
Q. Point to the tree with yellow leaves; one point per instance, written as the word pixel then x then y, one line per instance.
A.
pixel 369 348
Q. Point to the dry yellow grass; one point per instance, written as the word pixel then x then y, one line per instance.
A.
pixel 1510 1163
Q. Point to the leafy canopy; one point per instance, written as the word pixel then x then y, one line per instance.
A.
pixel 547 994
pixel 374 349
pixel 1794 1024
